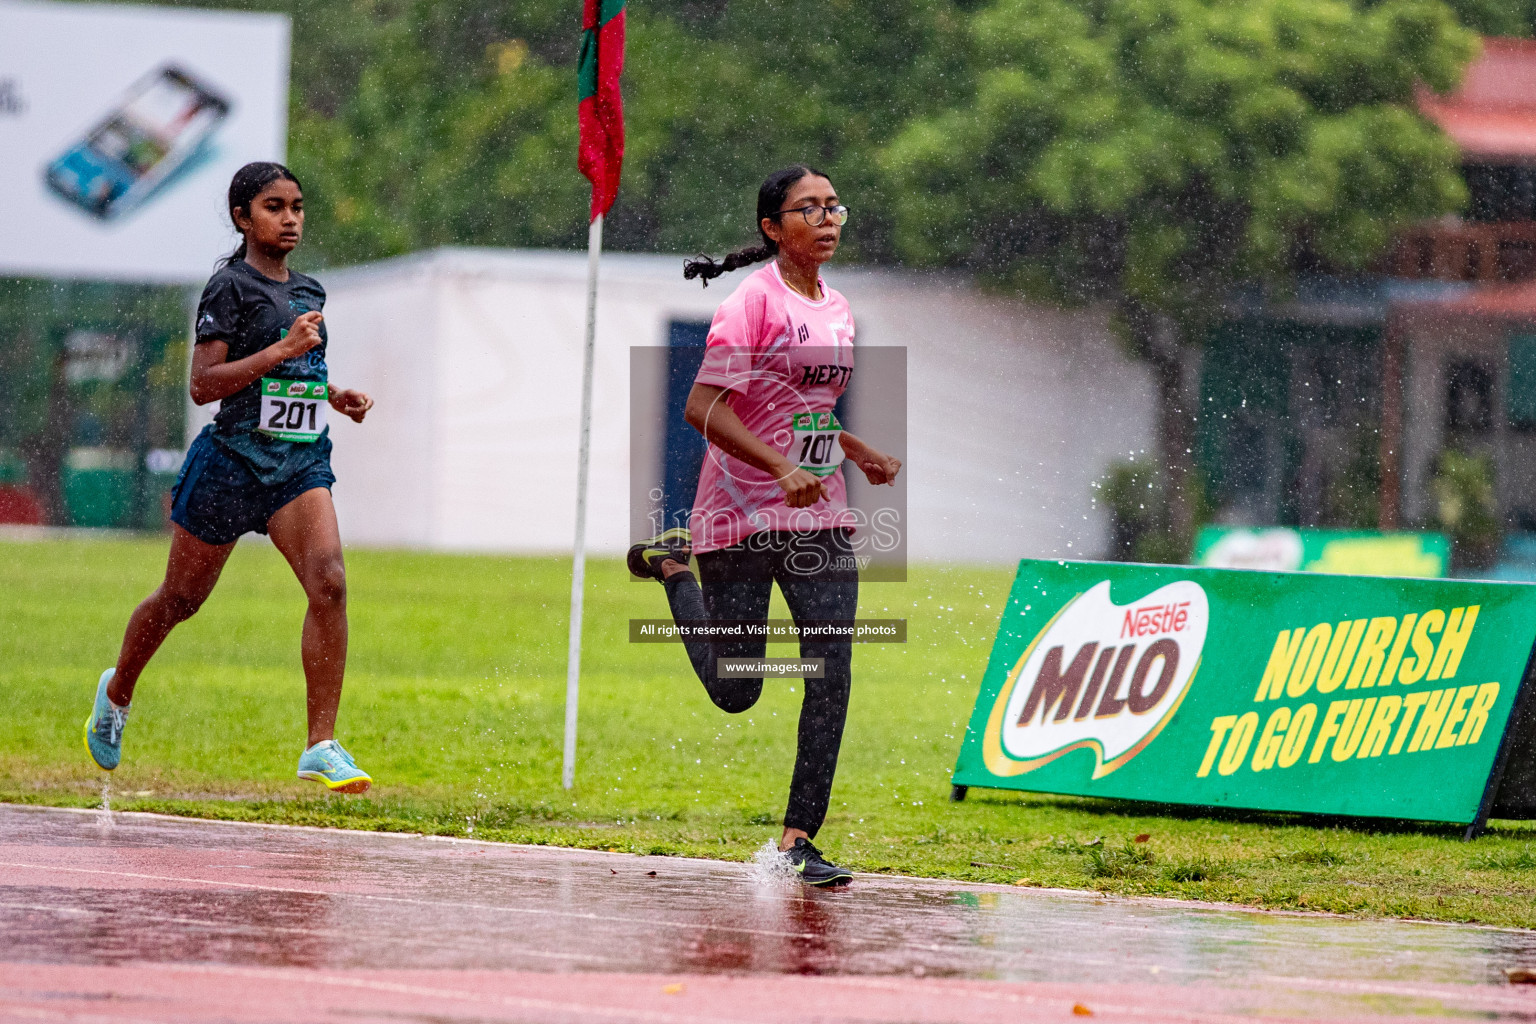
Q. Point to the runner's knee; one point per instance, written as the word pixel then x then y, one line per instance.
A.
pixel 836 658
pixel 831 692
pixel 737 698
pixel 180 604
pixel 327 585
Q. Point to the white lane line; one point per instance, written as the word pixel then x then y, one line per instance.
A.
pixel 1504 996
pixel 577 1010
pixel 1187 992
pixel 38 1013
pixel 438 992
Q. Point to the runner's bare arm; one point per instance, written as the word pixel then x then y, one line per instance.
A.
pixel 213 378
pixel 878 467
pixel 707 413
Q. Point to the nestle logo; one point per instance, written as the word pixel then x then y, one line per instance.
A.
pixel 1153 619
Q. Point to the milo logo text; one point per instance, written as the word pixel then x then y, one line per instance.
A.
pixel 1100 676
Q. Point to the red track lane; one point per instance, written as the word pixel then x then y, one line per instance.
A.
pixel 177 993
pixel 141 918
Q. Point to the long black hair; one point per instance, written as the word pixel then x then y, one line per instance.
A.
pixel 245 186
pixel 770 199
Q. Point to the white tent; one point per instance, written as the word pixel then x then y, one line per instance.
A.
pixel 474 359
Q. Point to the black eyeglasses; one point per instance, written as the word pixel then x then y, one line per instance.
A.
pixel 816 216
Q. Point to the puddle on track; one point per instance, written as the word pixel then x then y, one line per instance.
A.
pixel 172 891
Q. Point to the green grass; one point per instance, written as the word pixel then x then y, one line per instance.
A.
pixel 454 701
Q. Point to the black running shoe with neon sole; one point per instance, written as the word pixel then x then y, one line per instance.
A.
pixel 645 558
pixel 807 862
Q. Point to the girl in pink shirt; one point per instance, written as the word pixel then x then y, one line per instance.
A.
pixel 772 504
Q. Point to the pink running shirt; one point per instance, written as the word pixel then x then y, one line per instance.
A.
pixel 778 354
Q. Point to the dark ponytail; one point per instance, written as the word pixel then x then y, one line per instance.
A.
pixel 770 199
pixel 244 187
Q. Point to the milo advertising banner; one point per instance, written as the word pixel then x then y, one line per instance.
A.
pixel 1353 552
pixel 1274 691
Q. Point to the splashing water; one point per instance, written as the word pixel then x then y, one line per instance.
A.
pixel 106 798
pixel 770 868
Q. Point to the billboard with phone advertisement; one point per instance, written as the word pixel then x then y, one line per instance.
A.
pixel 120 127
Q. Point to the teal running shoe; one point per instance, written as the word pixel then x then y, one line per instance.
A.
pixel 104 729
pixel 644 559
pixel 328 762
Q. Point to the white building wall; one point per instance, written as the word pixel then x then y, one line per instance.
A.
pixel 1014 409
pixel 385 338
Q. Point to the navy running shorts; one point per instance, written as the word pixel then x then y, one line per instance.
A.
pixel 216 497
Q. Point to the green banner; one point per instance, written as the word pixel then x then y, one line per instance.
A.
pixel 1347 552
pixel 1275 691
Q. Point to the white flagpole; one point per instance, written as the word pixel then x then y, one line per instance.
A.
pixel 579 556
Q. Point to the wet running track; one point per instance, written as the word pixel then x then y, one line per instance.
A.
pixel 145 918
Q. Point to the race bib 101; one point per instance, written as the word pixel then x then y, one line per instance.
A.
pixel 815 446
pixel 293 410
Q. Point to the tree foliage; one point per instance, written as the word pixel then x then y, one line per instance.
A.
pixel 1167 149
pixel 1165 152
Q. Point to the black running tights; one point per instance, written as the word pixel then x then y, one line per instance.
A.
pixel 816 574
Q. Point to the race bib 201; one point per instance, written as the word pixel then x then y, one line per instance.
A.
pixel 293 410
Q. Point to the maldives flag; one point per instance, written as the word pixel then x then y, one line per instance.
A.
pixel 601 109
